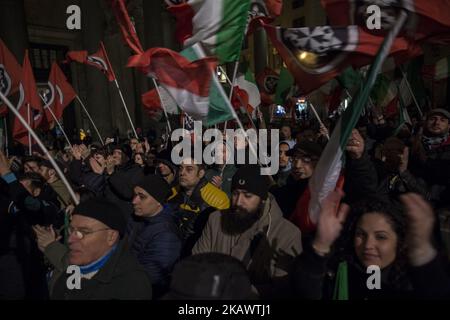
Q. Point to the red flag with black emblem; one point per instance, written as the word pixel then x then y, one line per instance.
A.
pixel 428 21
pixel 30 105
pixel 60 93
pixel 315 55
pixel 126 25
pixel 99 60
pixel 10 74
pixel 267 81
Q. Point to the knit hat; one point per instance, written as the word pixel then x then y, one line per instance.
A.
pixel 210 276
pixel 249 178
pixel 155 186
pixel 103 210
pixel 164 156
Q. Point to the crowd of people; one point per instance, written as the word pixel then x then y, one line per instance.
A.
pixel 146 228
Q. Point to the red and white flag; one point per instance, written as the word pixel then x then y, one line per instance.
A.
pixel 99 60
pixel 10 74
pixel 187 82
pixel 126 26
pixel 30 104
pixel 315 55
pixel 58 94
pixel 428 21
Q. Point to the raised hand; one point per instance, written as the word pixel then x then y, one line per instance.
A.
pixel 332 217
pixel 420 229
pixel 217 181
pixel 96 167
pixel 4 164
pixel 45 236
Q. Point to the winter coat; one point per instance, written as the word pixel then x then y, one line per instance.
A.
pixel 121 278
pixel 157 245
pixel 22 271
pixel 192 213
pixel 267 249
pixel 81 175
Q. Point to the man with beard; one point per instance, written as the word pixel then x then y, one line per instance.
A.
pixel 430 156
pixel 254 231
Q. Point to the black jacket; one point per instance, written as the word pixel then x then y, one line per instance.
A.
pixel 157 245
pixel 435 170
pixel 288 195
pixel 393 184
pixel 314 278
pixel 81 175
pixel 18 248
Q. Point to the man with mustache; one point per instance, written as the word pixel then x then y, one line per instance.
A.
pixel 254 231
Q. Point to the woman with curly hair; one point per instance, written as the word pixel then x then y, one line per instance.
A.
pixel 374 235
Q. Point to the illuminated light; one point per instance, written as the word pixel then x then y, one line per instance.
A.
pixel 307 58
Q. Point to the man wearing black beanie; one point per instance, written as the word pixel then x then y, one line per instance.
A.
pixel 152 233
pixel 104 269
pixel 254 231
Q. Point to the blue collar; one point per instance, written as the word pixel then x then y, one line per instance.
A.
pixel 98 264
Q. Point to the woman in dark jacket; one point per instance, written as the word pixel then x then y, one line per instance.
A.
pixel 375 237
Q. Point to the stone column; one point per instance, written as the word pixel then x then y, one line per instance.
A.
pixel 14 33
pixel 13 27
pixel 98 102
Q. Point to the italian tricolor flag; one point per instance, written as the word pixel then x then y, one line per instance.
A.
pixel 189 79
pixel 219 25
pixel 327 173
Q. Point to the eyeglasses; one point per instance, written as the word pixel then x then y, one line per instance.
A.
pixel 81 234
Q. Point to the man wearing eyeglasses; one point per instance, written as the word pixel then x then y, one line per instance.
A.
pixel 96 245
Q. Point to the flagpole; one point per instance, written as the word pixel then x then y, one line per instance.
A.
pixel 318 118
pixel 118 88
pixel 126 109
pixel 29 134
pixel 57 122
pixel 5 123
pixel 41 145
pixel 236 66
pixel 162 104
pixel 412 93
pixel 90 119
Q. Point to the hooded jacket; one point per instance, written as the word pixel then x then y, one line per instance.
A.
pixel 267 248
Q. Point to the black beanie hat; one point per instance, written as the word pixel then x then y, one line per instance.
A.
pixel 249 178
pixel 155 186
pixel 164 156
pixel 103 210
